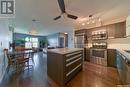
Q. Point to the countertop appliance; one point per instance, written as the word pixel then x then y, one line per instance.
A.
pixel 98 52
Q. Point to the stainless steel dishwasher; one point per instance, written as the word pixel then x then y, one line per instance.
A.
pixel 123 66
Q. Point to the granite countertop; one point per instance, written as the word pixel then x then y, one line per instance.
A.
pixel 64 50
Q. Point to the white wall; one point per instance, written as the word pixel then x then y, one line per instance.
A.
pixel 70 38
pixel 53 40
pixel 5 37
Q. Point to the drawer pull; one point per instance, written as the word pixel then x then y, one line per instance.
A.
pixel 73 62
pixel 73 53
pixel 73 70
pixel 73 58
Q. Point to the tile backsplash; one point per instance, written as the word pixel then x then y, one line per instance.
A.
pixel 118 43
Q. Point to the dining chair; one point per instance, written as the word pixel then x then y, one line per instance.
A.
pixel 31 57
pixel 11 60
pixel 19 48
pixel 22 61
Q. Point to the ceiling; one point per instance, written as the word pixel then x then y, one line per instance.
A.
pixel 45 10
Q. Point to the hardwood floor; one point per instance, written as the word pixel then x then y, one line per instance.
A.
pixel 91 76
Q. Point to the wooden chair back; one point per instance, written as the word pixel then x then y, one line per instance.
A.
pixel 19 48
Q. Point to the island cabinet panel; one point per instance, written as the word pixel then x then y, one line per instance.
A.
pixel 62 67
pixel 73 64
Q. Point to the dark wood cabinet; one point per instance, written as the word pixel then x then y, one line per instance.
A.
pixel 120 31
pixel 117 30
pixel 82 31
pixel 111 30
pixel 88 32
pixel 111 57
pixel 63 64
pixel 87 54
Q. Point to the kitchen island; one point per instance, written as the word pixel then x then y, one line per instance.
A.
pixel 63 64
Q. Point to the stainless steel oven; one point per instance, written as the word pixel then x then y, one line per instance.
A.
pixel 98 56
pixel 98 52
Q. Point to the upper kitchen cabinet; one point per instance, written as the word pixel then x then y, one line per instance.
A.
pixel 128 26
pixel 80 32
pixel 111 30
pixel 89 31
pixel 117 30
pixel 120 31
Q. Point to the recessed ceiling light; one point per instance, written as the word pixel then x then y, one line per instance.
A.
pixel 83 24
pixel 93 21
pixel 65 33
pixel 88 23
pixel 99 19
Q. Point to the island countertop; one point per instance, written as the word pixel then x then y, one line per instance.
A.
pixel 64 50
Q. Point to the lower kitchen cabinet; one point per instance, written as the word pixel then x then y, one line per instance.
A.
pixel 88 55
pixel 111 57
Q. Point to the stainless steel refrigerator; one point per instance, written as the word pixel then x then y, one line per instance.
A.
pixel 79 42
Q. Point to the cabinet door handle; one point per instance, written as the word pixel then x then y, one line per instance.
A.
pixel 73 62
pixel 73 54
pixel 73 58
pixel 73 70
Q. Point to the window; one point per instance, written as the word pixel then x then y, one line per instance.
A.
pixel 31 42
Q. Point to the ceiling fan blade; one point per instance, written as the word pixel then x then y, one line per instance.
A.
pixel 58 17
pixel 72 16
pixel 63 11
pixel 62 6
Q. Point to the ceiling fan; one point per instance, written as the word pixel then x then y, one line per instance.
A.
pixel 63 11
